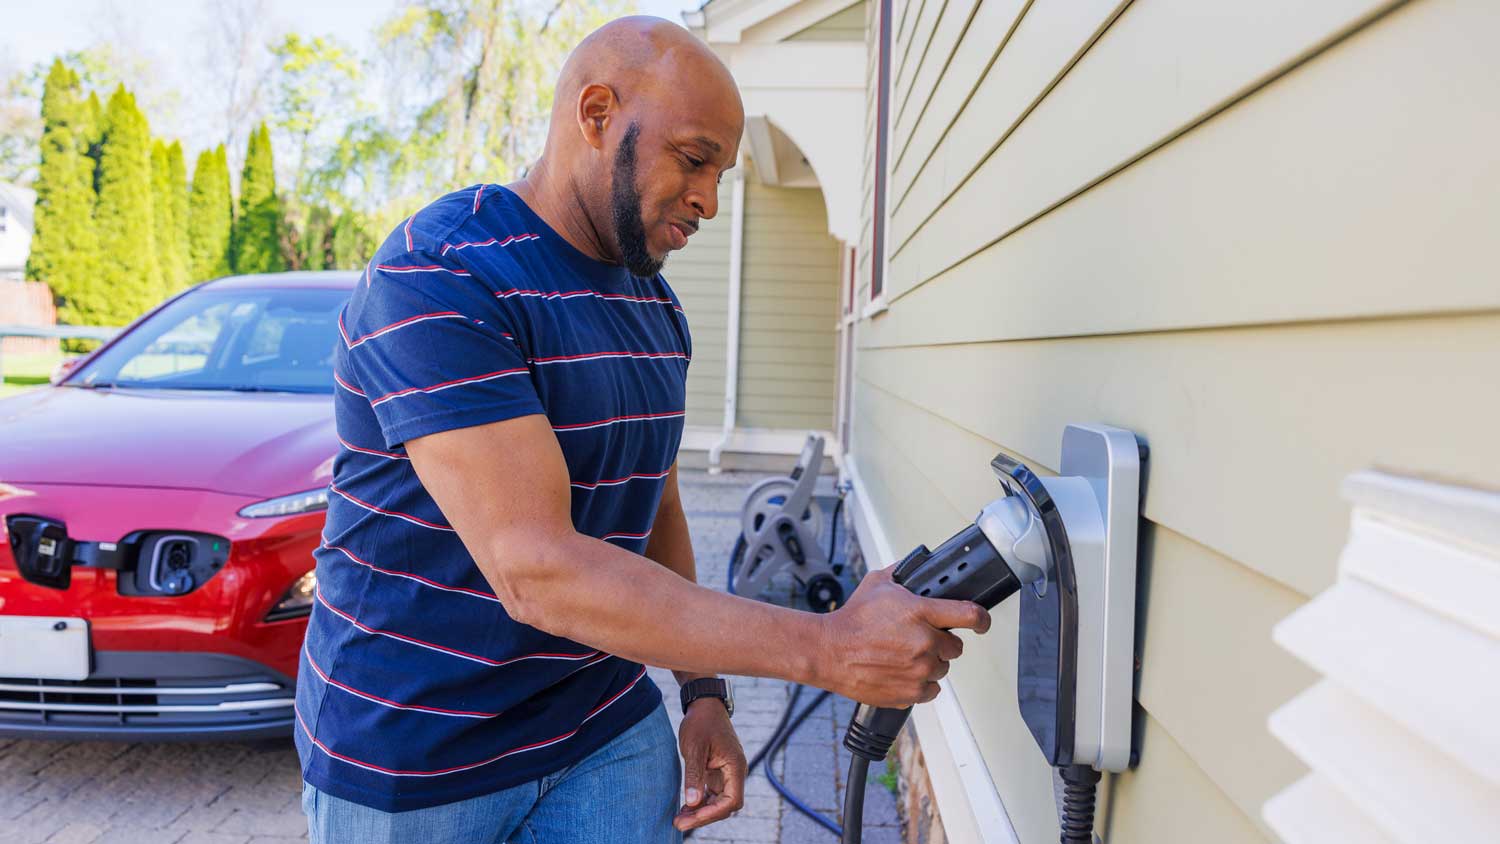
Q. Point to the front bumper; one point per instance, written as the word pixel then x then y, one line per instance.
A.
pixel 153 696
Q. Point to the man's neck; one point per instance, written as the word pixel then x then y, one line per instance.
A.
pixel 557 201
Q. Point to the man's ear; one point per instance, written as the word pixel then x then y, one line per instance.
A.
pixel 597 105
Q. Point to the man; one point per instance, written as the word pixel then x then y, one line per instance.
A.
pixel 505 542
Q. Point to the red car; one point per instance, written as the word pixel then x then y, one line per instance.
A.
pixel 162 500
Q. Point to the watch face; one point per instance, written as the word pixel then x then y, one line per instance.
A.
pixel 729 697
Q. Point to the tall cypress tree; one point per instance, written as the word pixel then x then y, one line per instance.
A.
pixel 164 217
pixel 177 179
pixel 65 246
pixel 210 216
pixel 257 229
pixel 129 275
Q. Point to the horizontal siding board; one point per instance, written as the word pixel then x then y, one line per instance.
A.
pixel 1194 657
pixel 922 36
pixel 1268 216
pixel 1142 51
pixel 699 275
pixel 909 103
pixel 987 36
pixel 1045 43
pixel 1216 405
pixel 789 306
pixel 1168 800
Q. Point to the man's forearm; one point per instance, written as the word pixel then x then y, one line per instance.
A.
pixel 593 592
pixel 671 545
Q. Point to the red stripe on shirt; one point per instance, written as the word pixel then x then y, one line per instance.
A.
pixel 579 426
pixel 544 743
pixel 447 384
pixel 406 517
pixel 354 558
pixel 391 703
pixel 395 325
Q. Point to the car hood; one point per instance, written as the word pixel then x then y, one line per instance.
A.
pixel 263 444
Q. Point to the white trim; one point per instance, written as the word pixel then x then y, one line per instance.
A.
pixel 732 330
pixel 967 801
pixel 1401 725
pixel 875 307
pixel 757 441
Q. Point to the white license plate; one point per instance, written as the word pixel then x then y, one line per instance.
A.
pixel 44 647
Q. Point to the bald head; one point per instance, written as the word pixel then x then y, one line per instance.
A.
pixel 643 59
pixel 645 120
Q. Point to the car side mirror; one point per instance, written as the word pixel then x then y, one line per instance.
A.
pixel 63 369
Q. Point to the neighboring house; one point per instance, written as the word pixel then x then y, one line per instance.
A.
pixel 1259 235
pixel 17 205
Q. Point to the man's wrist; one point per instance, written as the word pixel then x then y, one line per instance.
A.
pixel 717 702
pixel 706 687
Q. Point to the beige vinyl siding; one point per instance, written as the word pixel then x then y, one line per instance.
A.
pixel 1273 267
pixel 700 275
pixel 789 309
pixel 845 25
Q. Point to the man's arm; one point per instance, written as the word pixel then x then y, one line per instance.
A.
pixel 671 543
pixel 504 487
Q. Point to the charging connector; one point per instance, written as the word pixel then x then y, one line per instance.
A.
pixel 1070 541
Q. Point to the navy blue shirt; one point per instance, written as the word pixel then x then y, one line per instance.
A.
pixel 416 687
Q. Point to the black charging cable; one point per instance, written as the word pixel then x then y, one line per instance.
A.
pixel 1077 820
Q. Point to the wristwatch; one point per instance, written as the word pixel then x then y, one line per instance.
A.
pixel 708 687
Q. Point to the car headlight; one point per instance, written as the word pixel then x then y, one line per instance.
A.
pixel 288 505
pixel 298 600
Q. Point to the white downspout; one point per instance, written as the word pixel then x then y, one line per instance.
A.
pixel 732 331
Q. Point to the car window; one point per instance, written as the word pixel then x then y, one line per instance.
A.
pixel 280 340
pixel 182 349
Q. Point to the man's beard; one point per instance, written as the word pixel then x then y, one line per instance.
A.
pixel 625 210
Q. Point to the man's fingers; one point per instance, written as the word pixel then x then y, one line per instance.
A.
pixel 717 808
pixel 693 764
pixel 929 692
pixel 949 646
pixel 947 614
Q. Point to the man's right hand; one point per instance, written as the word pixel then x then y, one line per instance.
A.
pixel 887 647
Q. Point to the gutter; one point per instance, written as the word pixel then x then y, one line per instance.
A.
pixel 732 331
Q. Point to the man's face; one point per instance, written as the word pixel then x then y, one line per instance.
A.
pixel 663 183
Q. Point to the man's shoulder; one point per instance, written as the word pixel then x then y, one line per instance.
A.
pixel 431 229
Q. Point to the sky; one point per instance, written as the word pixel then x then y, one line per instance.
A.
pixel 36 30
pixel 172 43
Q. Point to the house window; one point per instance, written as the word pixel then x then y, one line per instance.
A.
pixel 882 124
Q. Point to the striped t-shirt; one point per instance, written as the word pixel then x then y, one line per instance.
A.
pixel 416 688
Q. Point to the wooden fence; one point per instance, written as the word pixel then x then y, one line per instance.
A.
pixel 26 303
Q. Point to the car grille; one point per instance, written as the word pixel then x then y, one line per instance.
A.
pixel 102 702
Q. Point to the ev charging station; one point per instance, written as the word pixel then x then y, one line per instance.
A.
pixel 1068 545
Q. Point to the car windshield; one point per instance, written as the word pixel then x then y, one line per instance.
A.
pixel 268 340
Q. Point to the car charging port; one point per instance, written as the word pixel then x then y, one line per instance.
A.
pixel 174 563
pixel 149 562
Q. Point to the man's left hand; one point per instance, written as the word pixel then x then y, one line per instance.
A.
pixel 713 765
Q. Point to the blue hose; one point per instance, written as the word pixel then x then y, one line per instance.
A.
pixel 778 742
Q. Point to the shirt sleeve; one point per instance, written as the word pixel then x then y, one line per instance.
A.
pixel 431 354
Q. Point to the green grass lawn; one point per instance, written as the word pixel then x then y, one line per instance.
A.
pixel 24 372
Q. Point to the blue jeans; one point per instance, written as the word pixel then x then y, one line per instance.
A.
pixel 624 793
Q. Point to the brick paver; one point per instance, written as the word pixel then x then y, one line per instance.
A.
pixel 248 793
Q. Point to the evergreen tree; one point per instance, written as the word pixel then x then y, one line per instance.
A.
pixel 177 177
pixel 129 275
pixel 65 246
pixel 258 228
pixel 164 217
pixel 210 216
